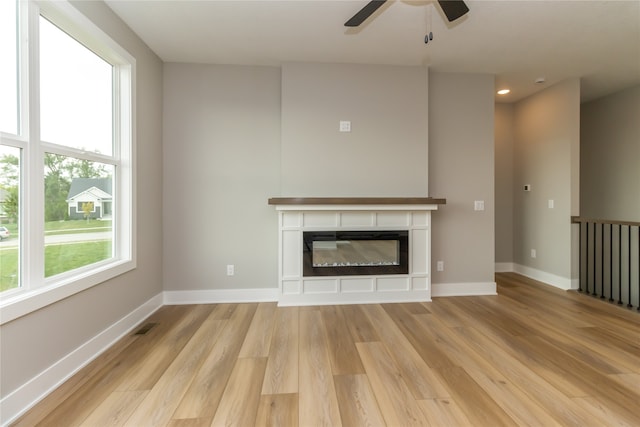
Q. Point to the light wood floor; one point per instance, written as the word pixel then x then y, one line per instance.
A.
pixel 533 356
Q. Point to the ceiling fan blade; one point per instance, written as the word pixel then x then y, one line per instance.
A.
pixel 453 9
pixel 364 13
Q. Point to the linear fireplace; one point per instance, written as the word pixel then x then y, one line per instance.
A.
pixel 354 250
pixel 353 253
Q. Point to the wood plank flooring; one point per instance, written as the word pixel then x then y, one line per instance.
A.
pixel 531 356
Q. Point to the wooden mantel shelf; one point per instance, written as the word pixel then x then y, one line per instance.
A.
pixel 356 201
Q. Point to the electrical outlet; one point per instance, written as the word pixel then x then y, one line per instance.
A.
pixel 345 126
pixel 478 205
pixel 533 253
pixel 440 266
pixel 230 270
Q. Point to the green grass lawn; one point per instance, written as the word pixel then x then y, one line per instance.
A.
pixel 58 259
pixel 8 268
pixel 61 258
pixel 76 226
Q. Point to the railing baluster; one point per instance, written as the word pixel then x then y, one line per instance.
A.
pixel 620 264
pixel 629 305
pixel 586 259
pixel 610 262
pixel 601 261
pixel 595 252
pixel 580 257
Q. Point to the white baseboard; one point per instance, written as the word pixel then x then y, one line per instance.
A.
pixel 505 267
pixel 26 396
pixel 340 298
pixel 213 296
pixel 539 275
pixel 563 283
pixel 463 289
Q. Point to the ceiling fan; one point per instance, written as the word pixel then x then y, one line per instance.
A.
pixel 453 9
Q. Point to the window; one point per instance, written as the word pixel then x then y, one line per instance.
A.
pixel 9 215
pixel 66 155
pixel 9 71
pixel 76 93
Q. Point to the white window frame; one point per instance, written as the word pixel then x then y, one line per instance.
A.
pixel 36 291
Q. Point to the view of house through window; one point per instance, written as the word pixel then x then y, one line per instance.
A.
pixel 78 193
pixel 65 151
pixel 78 210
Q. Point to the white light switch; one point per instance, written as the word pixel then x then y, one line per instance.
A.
pixel 345 126
pixel 551 203
pixel 478 205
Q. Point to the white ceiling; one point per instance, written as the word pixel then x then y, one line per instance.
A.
pixel 517 41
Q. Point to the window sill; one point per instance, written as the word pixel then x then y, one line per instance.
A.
pixel 22 303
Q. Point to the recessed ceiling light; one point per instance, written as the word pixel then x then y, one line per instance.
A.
pixel 503 91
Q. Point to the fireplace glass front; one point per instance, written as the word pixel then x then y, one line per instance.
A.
pixel 344 253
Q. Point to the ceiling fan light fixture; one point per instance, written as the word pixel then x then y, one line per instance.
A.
pixel 503 91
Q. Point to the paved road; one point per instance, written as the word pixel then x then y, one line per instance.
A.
pixel 57 239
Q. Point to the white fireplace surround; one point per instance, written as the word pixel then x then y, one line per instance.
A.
pixel 295 218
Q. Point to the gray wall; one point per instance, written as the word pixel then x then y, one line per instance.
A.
pixel 547 138
pixel 504 182
pixel 230 143
pixel 461 168
pixel 224 156
pixel 34 342
pixel 385 154
pixel 610 157
pixel 221 164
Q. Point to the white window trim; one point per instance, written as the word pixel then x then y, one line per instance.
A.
pixel 38 292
